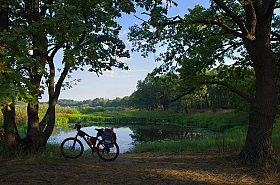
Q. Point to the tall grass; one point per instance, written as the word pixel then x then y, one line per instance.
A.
pixel 276 136
pixel 215 121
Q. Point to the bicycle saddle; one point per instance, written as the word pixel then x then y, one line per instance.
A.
pixel 99 129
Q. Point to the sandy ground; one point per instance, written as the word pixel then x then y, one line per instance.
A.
pixel 146 168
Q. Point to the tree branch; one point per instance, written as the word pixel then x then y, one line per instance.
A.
pixel 23 15
pixel 221 25
pixel 44 7
pixel 231 88
pixel 275 35
pixel 234 17
pixel 219 54
pixel 199 41
pixel 188 92
pixel 268 7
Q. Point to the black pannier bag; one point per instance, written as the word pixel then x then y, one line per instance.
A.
pixel 109 137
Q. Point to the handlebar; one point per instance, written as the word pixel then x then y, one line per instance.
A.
pixel 77 126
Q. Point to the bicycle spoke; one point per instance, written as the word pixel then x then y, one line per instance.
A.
pixel 72 148
pixel 108 154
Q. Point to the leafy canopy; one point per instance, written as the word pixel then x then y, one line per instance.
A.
pixel 203 40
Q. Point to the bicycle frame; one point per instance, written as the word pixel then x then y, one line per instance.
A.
pixel 87 140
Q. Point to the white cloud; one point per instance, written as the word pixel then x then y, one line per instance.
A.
pixel 111 73
pixel 229 61
pixel 127 41
pixel 123 33
pixel 115 72
pixel 124 60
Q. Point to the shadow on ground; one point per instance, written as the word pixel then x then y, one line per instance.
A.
pixel 145 168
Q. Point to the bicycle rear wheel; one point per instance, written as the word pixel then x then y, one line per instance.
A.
pixel 107 154
pixel 72 148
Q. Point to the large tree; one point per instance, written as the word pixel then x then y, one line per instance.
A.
pixel 245 31
pixel 13 81
pixel 32 34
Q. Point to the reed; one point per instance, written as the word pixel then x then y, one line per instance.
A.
pixel 215 121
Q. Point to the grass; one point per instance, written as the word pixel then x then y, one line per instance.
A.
pixel 215 121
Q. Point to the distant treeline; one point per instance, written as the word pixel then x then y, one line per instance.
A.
pixel 154 94
pixel 97 102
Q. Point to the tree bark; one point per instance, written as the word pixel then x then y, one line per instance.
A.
pixel 12 138
pixel 33 138
pixel 258 147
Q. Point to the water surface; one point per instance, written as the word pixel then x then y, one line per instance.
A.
pixel 127 137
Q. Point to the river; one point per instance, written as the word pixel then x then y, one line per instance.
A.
pixel 128 136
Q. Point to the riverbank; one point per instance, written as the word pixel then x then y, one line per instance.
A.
pixel 230 128
pixel 218 121
pixel 145 168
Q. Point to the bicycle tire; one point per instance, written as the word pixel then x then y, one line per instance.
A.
pixel 72 148
pixel 107 154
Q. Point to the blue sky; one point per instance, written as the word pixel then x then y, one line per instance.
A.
pixel 118 83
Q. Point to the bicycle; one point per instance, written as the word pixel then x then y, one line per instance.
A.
pixel 73 148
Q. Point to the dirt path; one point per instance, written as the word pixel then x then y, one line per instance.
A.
pixel 147 168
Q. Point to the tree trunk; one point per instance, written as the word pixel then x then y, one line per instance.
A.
pixel 186 109
pixel 258 147
pixel 33 138
pixel 12 138
pixel 47 124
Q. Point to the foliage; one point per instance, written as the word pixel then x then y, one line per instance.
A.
pixel 161 92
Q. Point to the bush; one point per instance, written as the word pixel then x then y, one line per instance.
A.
pixel 66 110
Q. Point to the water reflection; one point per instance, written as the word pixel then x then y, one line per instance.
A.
pixel 154 134
pixel 128 136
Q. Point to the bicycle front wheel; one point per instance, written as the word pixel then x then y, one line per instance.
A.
pixel 72 148
pixel 107 154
